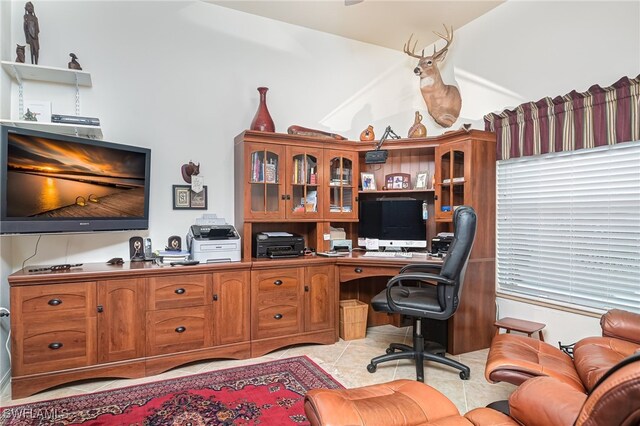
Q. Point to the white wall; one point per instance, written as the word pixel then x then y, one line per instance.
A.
pixel 181 78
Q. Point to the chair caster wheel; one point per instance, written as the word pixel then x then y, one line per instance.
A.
pixel 389 351
pixel 371 368
pixel 464 375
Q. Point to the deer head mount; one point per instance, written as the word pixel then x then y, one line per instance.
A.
pixel 443 100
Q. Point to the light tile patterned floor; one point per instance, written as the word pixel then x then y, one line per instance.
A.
pixel 345 360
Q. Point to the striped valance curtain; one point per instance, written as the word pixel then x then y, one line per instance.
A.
pixel 599 116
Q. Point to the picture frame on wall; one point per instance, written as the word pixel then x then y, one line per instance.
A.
pixel 368 181
pixel 184 198
pixel 422 180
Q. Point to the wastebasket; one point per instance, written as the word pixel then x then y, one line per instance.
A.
pixel 353 319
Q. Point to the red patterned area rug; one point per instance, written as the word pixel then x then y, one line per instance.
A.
pixel 271 393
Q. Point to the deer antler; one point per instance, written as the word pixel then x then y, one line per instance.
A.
pixel 412 53
pixel 448 38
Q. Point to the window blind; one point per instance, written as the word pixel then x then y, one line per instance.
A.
pixel 568 227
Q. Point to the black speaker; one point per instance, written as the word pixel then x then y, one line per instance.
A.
pixel 136 249
pixel 174 243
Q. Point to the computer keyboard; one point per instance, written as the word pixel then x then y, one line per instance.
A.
pixel 386 254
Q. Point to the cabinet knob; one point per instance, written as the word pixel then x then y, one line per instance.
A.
pixel 278 316
pixel 100 309
pixel 55 345
pixel 358 270
pixel 284 197
pixel 215 297
pixel 277 282
pixel 181 329
pixel 180 291
pixel 435 197
pixel 306 288
pixel 54 302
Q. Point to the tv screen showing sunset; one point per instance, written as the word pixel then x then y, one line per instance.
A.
pixel 54 178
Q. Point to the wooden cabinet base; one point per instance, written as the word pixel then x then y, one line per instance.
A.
pixel 161 363
pixel 263 346
pixel 23 386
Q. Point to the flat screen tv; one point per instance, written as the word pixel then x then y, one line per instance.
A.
pixel 394 222
pixel 58 183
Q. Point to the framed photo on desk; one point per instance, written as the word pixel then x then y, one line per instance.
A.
pixel 368 181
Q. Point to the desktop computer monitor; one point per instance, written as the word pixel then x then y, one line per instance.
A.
pixel 394 222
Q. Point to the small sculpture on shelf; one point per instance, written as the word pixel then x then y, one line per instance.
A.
pixel 74 64
pixel 20 53
pixel 367 134
pixel 305 131
pixel 30 116
pixel 417 130
pixel 32 31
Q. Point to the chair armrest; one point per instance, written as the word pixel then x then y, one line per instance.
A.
pixel 431 279
pixel 421 267
pixel 543 401
pixel 621 324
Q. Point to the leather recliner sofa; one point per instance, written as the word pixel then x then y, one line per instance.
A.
pixel 540 401
pixel 514 358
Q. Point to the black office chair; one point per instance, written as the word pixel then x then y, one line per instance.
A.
pixel 429 291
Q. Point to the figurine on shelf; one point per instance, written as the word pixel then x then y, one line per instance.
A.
pixel 32 31
pixel 367 134
pixel 74 64
pixel 30 116
pixel 418 130
pixel 20 53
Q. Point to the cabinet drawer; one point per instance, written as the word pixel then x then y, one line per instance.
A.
pixel 277 320
pixel 354 272
pixel 42 303
pixel 54 345
pixel 177 330
pixel 279 281
pixel 177 291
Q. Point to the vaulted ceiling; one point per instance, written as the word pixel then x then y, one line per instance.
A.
pixel 387 23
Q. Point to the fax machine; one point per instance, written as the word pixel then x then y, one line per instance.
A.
pixel 278 244
pixel 214 243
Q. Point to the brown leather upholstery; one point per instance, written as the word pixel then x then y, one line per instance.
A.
pixel 397 403
pixel 515 358
pixel 540 401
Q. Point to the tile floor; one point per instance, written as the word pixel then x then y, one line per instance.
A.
pixel 346 361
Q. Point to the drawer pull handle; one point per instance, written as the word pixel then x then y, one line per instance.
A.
pixel 55 345
pixel 180 291
pixel 181 329
pixel 277 282
pixel 278 316
pixel 54 302
pixel 358 270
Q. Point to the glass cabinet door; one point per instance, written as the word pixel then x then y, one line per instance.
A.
pixel 264 196
pixel 451 179
pixel 304 171
pixel 341 184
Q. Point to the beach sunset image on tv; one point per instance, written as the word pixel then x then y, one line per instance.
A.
pixel 55 178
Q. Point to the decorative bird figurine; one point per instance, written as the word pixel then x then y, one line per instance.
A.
pixel 367 134
pixel 74 64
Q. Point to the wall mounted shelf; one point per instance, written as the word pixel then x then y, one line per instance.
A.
pixel 93 132
pixel 19 71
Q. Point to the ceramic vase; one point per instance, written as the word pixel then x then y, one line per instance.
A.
pixel 418 130
pixel 262 121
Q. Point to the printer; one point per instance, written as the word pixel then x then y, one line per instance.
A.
pixel 440 243
pixel 214 243
pixel 277 244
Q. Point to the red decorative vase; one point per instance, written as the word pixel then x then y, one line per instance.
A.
pixel 262 120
